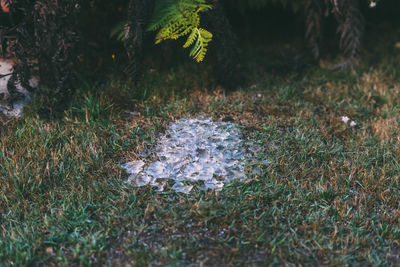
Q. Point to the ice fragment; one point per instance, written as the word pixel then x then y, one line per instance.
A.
pixel 133 167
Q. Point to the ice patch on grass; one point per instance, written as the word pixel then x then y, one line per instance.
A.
pixel 193 152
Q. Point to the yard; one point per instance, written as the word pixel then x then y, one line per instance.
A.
pixel 330 195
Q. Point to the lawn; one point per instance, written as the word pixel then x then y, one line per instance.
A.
pixel 330 195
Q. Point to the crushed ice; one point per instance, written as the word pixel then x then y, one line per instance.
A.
pixel 193 150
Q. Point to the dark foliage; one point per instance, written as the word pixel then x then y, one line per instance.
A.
pixel 56 25
pixel 43 37
pixel 351 26
pixel 314 16
pixel 351 30
pixel 224 48
pixel 139 14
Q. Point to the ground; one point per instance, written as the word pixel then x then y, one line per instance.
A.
pixel 329 197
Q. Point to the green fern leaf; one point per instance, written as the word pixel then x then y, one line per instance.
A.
pixel 199 48
pixel 192 37
pixel 176 18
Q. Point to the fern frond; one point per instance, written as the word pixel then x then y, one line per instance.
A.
pixel 199 48
pixel 314 13
pixel 351 29
pixel 176 18
pixel 190 40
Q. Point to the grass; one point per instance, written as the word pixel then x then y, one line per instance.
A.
pixel 329 197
